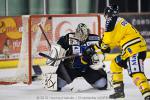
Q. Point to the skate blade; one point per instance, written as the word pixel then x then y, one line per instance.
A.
pixel 120 99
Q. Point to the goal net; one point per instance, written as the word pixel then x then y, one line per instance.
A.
pixel 33 41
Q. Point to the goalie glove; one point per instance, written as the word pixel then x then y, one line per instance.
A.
pixel 97 60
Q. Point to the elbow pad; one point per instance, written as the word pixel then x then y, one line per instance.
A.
pixel 107 50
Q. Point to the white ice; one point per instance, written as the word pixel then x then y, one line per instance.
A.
pixel 35 91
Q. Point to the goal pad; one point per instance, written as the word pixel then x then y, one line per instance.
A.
pixel 33 41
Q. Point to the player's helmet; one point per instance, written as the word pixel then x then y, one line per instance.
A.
pixel 111 11
pixel 82 32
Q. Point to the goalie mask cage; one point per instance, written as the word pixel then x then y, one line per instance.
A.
pixel 33 41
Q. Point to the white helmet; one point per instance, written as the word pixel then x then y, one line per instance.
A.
pixel 82 32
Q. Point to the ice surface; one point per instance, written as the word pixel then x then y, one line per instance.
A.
pixel 35 91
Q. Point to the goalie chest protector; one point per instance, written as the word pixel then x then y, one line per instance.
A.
pixel 78 47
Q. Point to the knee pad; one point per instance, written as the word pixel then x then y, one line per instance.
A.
pixel 100 84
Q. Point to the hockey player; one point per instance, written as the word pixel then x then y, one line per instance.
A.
pixel 120 33
pixel 87 65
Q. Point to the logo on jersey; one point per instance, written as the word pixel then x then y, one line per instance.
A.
pixel 134 60
pixel 129 50
pixel 124 23
pixel 76 49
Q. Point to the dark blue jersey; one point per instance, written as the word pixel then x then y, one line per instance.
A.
pixel 74 46
pixel 110 24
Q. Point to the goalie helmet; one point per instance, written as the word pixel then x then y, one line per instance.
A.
pixel 111 11
pixel 82 32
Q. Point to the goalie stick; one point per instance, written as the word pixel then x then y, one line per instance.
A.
pixel 45 36
pixel 54 59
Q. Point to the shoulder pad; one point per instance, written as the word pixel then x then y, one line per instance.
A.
pixel 94 37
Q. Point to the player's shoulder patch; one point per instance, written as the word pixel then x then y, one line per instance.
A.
pixel 123 22
pixel 93 37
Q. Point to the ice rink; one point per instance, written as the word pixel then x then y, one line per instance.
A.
pixel 35 91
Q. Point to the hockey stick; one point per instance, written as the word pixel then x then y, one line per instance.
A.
pixel 45 35
pixel 54 59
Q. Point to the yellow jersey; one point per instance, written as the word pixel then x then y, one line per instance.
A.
pixel 126 37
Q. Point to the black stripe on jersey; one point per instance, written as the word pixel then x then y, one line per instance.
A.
pixel 128 43
pixel 132 44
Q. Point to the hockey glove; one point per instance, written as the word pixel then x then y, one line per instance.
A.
pixel 121 62
pixel 87 54
pixel 104 47
pixel 89 51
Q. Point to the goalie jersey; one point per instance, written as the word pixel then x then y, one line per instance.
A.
pixel 120 33
pixel 74 46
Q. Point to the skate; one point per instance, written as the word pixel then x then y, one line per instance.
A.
pixel 119 92
pixel 117 95
pixel 147 98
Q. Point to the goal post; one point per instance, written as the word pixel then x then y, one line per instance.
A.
pixel 33 41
